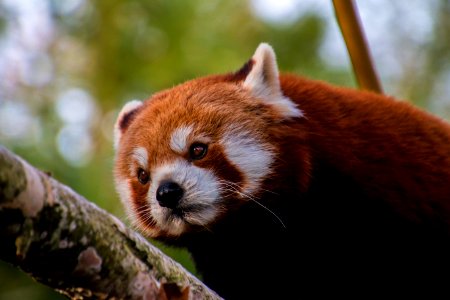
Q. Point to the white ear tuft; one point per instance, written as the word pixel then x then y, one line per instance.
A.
pixel 264 83
pixel 124 118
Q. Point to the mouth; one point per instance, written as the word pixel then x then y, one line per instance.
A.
pixel 187 212
pixel 184 218
pixel 177 213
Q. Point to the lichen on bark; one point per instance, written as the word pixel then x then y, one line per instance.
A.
pixel 12 177
pixel 68 243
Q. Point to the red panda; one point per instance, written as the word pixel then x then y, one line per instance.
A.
pixel 280 186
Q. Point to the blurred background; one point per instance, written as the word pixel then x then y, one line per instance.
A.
pixel 67 67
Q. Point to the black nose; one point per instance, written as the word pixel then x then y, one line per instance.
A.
pixel 169 194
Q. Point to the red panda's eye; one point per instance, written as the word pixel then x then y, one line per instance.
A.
pixel 143 176
pixel 198 150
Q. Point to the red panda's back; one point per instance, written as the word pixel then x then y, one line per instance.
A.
pixel 398 151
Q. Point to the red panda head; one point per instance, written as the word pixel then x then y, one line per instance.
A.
pixel 190 154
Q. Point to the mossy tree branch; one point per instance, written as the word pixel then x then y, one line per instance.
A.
pixel 71 245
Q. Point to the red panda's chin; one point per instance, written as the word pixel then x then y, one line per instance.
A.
pixel 187 218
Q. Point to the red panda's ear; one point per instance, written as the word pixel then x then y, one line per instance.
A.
pixel 126 116
pixel 263 81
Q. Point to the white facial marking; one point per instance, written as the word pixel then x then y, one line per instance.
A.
pixel 249 155
pixel 140 156
pixel 201 194
pixel 123 189
pixel 179 138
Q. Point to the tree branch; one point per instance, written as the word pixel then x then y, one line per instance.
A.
pixel 353 33
pixel 71 245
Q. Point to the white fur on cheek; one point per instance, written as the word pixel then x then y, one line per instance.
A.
pixel 179 138
pixel 201 193
pixel 123 189
pixel 250 156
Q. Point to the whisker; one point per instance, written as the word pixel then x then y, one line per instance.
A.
pixel 260 204
pixel 233 186
pixel 236 185
pixel 207 228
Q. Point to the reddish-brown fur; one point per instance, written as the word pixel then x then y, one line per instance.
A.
pixel 361 183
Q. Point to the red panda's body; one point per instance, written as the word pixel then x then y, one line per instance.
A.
pixel 355 192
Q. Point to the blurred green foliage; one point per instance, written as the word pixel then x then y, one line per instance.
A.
pixel 119 50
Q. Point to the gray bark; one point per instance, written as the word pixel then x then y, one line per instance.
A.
pixel 80 250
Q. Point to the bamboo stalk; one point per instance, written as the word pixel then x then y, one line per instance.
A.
pixel 353 33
